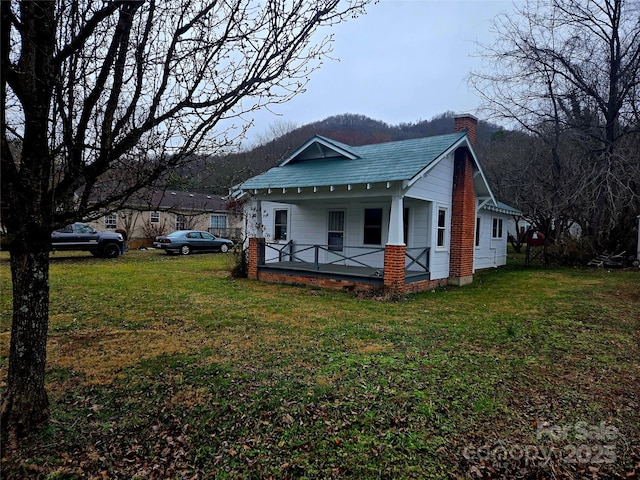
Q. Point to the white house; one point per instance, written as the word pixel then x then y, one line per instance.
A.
pixel 407 215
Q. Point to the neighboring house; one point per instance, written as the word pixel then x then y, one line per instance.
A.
pixel 155 212
pixel 407 215
pixel 519 227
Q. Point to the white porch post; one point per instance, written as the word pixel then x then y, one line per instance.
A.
pixel 396 221
pixel 255 247
pixel 258 225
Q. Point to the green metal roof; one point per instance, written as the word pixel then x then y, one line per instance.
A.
pixel 380 162
pixel 503 208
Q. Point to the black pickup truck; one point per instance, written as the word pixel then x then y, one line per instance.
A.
pixel 79 236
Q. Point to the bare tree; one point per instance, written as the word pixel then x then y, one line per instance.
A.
pixel 277 129
pixel 153 230
pixel 127 220
pixel 103 98
pixel 568 72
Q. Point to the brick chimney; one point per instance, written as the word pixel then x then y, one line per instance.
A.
pixel 467 122
pixel 463 207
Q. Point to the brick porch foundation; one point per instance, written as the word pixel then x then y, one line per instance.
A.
pixel 256 247
pixel 393 281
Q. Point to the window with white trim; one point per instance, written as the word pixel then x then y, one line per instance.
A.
pixel 441 237
pixel 497 228
pixel 111 221
pixel 280 224
pixel 181 222
pixel 154 217
pixel 477 231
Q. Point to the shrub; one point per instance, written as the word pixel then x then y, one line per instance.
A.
pixel 241 267
pixel 571 251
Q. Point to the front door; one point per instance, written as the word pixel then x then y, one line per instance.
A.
pixel 335 237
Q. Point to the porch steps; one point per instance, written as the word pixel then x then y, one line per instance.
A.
pixel 599 260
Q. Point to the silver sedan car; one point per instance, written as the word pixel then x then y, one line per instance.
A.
pixel 192 241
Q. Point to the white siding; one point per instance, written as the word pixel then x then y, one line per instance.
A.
pixel 435 188
pixel 491 252
pixel 440 256
pixel 511 225
pixel 250 221
pixel 355 233
pixel 308 227
pixel 437 184
pixel 420 226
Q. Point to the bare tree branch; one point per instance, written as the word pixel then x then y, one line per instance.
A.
pixel 100 99
pixel 568 73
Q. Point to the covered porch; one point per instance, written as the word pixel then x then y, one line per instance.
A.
pixel 362 238
pixel 351 268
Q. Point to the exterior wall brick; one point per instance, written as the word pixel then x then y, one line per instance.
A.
pixel 469 123
pixel 463 213
pixel 423 285
pixel 253 260
pixel 394 270
pixel 319 282
pixel 346 285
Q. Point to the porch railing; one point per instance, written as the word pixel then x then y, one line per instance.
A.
pixel 417 259
pixel 309 256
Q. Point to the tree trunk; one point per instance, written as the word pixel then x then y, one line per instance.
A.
pixel 26 181
pixel 25 403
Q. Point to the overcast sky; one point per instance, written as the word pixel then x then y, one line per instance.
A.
pixel 404 61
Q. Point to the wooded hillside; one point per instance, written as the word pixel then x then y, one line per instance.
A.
pixel 516 165
pixel 218 174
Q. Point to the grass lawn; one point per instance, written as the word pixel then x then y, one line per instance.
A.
pixel 165 367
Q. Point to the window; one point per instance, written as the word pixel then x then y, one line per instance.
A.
pixel 442 227
pixel 154 217
pixel 405 227
pixel 218 221
pixel 181 222
pixel 497 228
pixel 280 225
pixel 372 226
pixel 477 231
pixel 218 225
pixel 111 221
pixel 335 229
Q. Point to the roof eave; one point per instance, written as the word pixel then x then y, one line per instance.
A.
pixel 438 159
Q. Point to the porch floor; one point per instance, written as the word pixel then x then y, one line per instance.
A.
pixel 370 274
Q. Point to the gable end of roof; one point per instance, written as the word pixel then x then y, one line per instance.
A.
pixel 320 148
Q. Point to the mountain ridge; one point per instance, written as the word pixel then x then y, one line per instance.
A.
pixel 216 174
